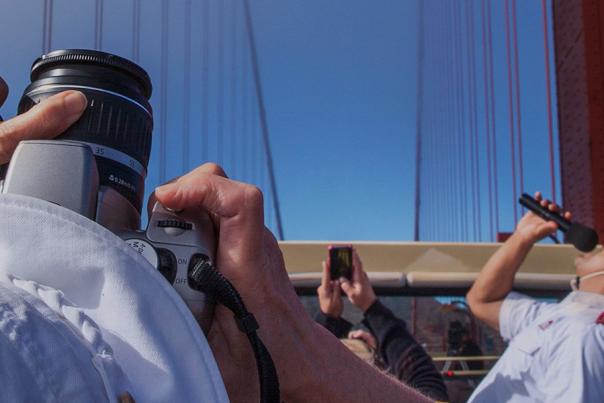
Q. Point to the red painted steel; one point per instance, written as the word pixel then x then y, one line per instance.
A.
pixel 579 43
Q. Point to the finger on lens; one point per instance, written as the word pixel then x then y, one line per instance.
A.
pixel 46 120
pixel 538 196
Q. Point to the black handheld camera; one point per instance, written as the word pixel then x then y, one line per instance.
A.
pixel 97 167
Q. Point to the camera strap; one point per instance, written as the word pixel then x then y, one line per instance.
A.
pixel 205 278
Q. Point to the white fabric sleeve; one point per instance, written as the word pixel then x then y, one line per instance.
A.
pixel 519 311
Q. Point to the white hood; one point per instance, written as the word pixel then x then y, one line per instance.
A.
pixel 122 310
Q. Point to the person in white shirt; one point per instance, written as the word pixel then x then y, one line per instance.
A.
pixel 556 350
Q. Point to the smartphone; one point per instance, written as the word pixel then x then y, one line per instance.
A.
pixel 340 261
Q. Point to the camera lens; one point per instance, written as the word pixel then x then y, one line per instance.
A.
pixel 118 121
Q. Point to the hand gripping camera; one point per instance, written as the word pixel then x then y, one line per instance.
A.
pixel 98 166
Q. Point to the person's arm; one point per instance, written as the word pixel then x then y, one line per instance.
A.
pixel 397 347
pixel 339 326
pixel 407 360
pixel 330 306
pixel 496 279
pixel 313 366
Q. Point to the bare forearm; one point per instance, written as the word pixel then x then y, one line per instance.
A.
pixel 314 366
pixel 496 279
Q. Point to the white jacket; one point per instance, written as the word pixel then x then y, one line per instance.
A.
pixel 83 317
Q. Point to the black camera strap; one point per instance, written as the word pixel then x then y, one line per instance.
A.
pixel 205 278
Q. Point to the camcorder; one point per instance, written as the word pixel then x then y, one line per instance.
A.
pixel 97 167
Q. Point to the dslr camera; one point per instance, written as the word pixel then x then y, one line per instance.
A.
pixel 97 168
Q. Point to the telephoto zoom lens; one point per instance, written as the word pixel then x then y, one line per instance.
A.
pixel 118 121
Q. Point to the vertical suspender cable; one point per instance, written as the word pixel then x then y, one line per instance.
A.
pixel 487 117
pixel 451 133
pixel 47 26
pixel 235 143
pixel 462 119
pixel 254 135
pixel 98 25
pixel 136 22
pixel 550 126
pixel 511 107
pixel 163 91
pixel 475 120
pixel 427 148
pixel 419 119
pixel 263 120
pixel 517 81
pixel 205 65
pixel 446 173
pixel 471 77
pixel 493 117
pixel 245 101
pixel 472 111
pixel 462 122
pixel 186 93
pixel 220 102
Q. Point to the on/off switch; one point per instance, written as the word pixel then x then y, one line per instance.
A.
pixel 174 227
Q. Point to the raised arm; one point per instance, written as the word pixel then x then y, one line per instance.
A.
pixel 496 279
pixel 313 366
pixel 405 357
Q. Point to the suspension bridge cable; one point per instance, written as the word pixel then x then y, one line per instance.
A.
pixel 443 130
pixel 186 94
pixel 472 104
pixel 220 101
pixel 245 107
pixel 98 25
pixel 471 110
pixel 452 157
pixel 263 120
pixel 419 119
pixel 493 116
pixel 463 128
pixel 136 22
pixel 518 110
pixel 430 213
pixel 487 117
pixel 474 162
pixel 163 91
pixel 476 170
pixel 548 82
pixel 448 157
pixel 254 135
pixel 462 121
pixel 234 83
pixel 205 90
pixel 47 26
pixel 511 108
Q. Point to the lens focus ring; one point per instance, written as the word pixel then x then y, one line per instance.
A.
pixel 114 122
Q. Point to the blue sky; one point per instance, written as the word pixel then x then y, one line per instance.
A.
pixel 340 85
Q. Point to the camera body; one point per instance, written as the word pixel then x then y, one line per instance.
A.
pixel 97 167
pixel 174 243
pixel 65 172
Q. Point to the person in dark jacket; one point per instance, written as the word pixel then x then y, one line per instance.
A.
pixel 397 348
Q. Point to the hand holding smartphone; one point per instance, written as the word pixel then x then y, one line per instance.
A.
pixel 340 261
